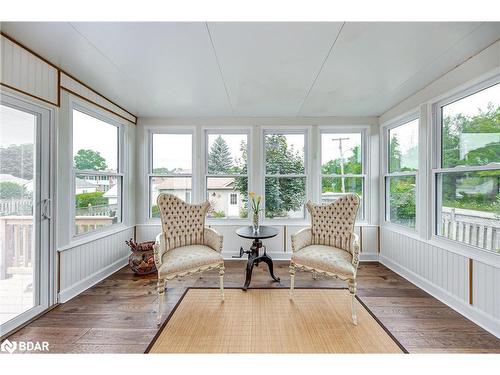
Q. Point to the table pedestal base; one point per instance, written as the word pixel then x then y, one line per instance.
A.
pixel 254 259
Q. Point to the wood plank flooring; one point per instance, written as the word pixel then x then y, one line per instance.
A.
pixel 118 315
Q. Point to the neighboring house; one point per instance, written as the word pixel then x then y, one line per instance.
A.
pixel 83 186
pixel 103 183
pixel 221 194
pixel 112 195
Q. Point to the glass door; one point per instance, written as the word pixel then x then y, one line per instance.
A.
pixel 24 212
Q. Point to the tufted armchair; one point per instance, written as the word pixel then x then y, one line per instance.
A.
pixel 185 246
pixel 329 247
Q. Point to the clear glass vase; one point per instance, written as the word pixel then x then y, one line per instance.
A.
pixel 255 222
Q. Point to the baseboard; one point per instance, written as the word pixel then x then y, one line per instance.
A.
pixel 66 294
pixel 483 320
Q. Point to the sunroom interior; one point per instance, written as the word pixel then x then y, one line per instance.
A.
pixel 100 119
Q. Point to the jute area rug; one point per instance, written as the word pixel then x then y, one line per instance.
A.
pixel 266 321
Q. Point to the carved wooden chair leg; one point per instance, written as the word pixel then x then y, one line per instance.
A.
pixel 352 290
pixel 292 280
pixel 221 281
pixel 161 298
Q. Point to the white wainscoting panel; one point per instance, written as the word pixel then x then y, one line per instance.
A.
pixel 486 289
pixel 24 71
pixel 84 265
pixel 445 275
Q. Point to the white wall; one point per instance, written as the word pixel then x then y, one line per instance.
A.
pixel 438 266
pixel 279 247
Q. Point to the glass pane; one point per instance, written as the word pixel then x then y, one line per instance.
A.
pixel 469 208
pixel 341 153
pixel 335 187
pixel 403 147
pixel 97 202
pixel 401 200
pixel 178 186
pixel 471 129
pixel 17 240
pixel 228 197
pixel 285 197
pixel 284 153
pixel 172 153
pixel 227 154
pixel 95 144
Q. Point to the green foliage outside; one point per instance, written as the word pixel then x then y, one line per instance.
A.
pixel 282 194
pixel 11 190
pixel 455 184
pixel 89 160
pixel 17 160
pixel 352 165
pixel 85 200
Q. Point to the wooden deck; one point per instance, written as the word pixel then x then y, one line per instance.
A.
pixel 118 315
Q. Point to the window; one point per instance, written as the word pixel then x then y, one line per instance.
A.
pixel 226 174
pixel 342 169
pixel 97 172
pixel 401 176
pixel 285 174
pixel 467 176
pixel 171 167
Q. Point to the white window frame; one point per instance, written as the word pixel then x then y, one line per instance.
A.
pixel 364 163
pixel 119 174
pixel 150 174
pixel 414 115
pixel 206 175
pixel 285 130
pixel 437 169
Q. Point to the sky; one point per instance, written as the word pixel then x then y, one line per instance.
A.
pixel 330 148
pixel 407 135
pixel 91 133
pixel 17 127
pixel 172 151
pixel 470 104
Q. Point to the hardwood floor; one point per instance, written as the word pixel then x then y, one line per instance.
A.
pixel 118 315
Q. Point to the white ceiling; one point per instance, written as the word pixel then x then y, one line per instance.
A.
pixel 256 69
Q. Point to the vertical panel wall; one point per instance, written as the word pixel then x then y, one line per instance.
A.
pixel 466 279
pixel 86 264
pixel 26 72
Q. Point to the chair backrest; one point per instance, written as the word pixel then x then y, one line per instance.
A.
pixel 333 224
pixel 182 223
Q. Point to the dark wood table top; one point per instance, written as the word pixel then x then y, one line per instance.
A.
pixel 263 233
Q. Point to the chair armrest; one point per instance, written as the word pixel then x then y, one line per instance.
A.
pixel 213 239
pixel 159 249
pixel 301 239
pixel 354 249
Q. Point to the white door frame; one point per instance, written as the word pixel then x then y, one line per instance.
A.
pixel 44 232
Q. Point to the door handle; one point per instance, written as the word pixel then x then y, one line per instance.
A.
pixel 45 209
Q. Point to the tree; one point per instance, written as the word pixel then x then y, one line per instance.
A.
pixel 351 166
pixel 283 194
pixel 17 160
pixel 89 160
pixel 219 157
pixel 9 190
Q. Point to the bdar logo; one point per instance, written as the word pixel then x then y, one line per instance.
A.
pixel 8 346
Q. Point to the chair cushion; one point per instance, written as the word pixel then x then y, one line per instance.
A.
pixel 185 258
pixel 325 258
